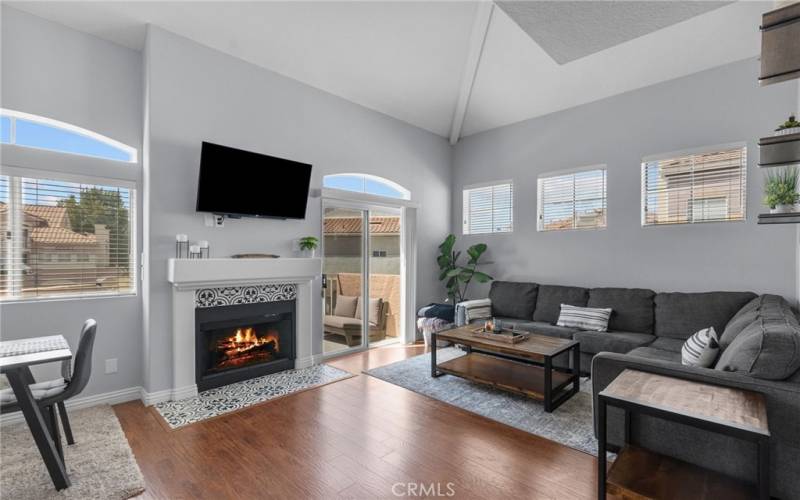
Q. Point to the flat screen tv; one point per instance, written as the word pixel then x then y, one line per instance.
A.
pixel 240 183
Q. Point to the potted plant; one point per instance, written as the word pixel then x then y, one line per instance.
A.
pixel 790 126
pixel 780 190
pixel 456 277
pixel 308 244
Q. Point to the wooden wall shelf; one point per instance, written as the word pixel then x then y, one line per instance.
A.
pixel 780 52
pixel 790 218
pixel 779 150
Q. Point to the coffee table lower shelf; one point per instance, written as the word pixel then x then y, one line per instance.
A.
pixel 513 376
pixel 638 473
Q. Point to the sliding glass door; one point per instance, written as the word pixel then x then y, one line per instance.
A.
pixel 359 242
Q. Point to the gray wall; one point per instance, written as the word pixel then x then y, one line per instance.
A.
pixel 721 105
pixel 53 71
pixel 196 94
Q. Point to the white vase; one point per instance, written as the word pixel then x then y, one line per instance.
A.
pixel 307 253
pixel 783 208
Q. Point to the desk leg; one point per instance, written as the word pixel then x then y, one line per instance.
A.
pixel 576 369
pixel 36 423
pixel 763 469
pixel 601 449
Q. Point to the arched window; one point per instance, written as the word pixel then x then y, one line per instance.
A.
pixel 365 183
pixel 23 129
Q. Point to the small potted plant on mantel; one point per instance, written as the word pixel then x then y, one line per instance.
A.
pixel 307 245
pixel 780 190
pixel 790 126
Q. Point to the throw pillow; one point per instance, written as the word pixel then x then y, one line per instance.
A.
pixel 345 306
pixel 701 349
pixel 585 318
pixel 374 310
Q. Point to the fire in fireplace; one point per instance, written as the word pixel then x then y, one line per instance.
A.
pixel 244 347
pixel 243 341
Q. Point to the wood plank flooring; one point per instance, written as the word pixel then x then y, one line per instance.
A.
pixel 357 438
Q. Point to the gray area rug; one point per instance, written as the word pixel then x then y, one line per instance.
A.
pixel 228 398
pixel 570 424
pixel 100 464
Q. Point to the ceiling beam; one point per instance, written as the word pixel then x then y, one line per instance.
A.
pixel 480 27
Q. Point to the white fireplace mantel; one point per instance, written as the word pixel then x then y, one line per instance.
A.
pixel 209 273
pixel 189 275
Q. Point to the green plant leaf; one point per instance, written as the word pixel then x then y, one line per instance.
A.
pixel 444 261
pixel 482 277
pixel 453 272
pixel 447 245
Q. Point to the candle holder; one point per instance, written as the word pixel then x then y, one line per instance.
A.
pixel 194 252
pixel 205 249
pixel 181 246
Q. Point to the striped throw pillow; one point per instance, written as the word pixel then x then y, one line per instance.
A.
pixel 701 349
pixel 585 318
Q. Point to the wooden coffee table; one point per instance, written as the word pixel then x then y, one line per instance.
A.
pixel 524 368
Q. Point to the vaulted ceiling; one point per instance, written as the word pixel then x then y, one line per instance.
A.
pixel 423 61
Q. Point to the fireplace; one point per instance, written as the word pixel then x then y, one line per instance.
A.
pixel 243 341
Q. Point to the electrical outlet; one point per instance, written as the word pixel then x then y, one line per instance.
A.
pixel 111 366
pixel 219 220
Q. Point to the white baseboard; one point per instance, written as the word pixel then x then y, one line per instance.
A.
pixel 308 361
pixel 107 398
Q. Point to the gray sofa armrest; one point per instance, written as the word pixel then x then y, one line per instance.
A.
pixel 727 455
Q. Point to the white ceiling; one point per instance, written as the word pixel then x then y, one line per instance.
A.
pixel 406 59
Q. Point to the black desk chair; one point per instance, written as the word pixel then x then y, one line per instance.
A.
pixel 52 393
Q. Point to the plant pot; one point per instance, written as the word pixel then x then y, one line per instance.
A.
pixel 307 253
pixel 783 208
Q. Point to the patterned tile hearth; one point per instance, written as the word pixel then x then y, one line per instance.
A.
pixel 228 398
pixel 227 296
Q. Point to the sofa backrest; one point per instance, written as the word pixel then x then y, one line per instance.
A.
pixel 550 298
pixel 513 299
pixel 679 315
pixel 631 308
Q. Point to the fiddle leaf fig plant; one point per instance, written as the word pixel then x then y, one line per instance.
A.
pixel 456 277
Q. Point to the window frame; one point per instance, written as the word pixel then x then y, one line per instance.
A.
pixel 57 259
pixel 540 202
pixel 690 219
pixel 465 216
pixel 13 116
pixel 405 194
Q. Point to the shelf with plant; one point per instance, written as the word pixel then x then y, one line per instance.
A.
pixel 780 190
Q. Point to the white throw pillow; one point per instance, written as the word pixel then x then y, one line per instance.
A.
pixel 585 318
pixel 701 349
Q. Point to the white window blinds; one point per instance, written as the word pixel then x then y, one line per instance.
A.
pixel 489 209
pixel 64 239
pixel 701 187
pixel 575 200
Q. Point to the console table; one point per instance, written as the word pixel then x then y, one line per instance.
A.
pixel 640 473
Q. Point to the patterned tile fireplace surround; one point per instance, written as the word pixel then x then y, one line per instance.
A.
pixel 225 284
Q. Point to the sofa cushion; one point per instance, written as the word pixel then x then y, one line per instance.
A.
pixel 512 299
pixel 668 344
pixel 656 354
pixel 748 314
pixel 632 308
pixel 342 322
pixel 345 306
pixel 680 315
pixel 621 342
pixel 540 327
pixel 374 310
pixel 768 348
pixel 550 298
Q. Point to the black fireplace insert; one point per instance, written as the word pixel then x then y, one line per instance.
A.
pixel 243 341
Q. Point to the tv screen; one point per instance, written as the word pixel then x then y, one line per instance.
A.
pixel 241 183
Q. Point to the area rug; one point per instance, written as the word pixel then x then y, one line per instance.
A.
pixel 570 424
pixel 100 464
pixel 228 398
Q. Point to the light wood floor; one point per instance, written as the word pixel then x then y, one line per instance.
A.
pixel 356 438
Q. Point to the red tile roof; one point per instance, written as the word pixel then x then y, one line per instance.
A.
pixel 61 236
pixel 352 225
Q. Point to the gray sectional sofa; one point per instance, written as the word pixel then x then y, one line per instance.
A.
pixel 760 351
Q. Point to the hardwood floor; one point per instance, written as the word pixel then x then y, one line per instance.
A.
pixel 357 438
